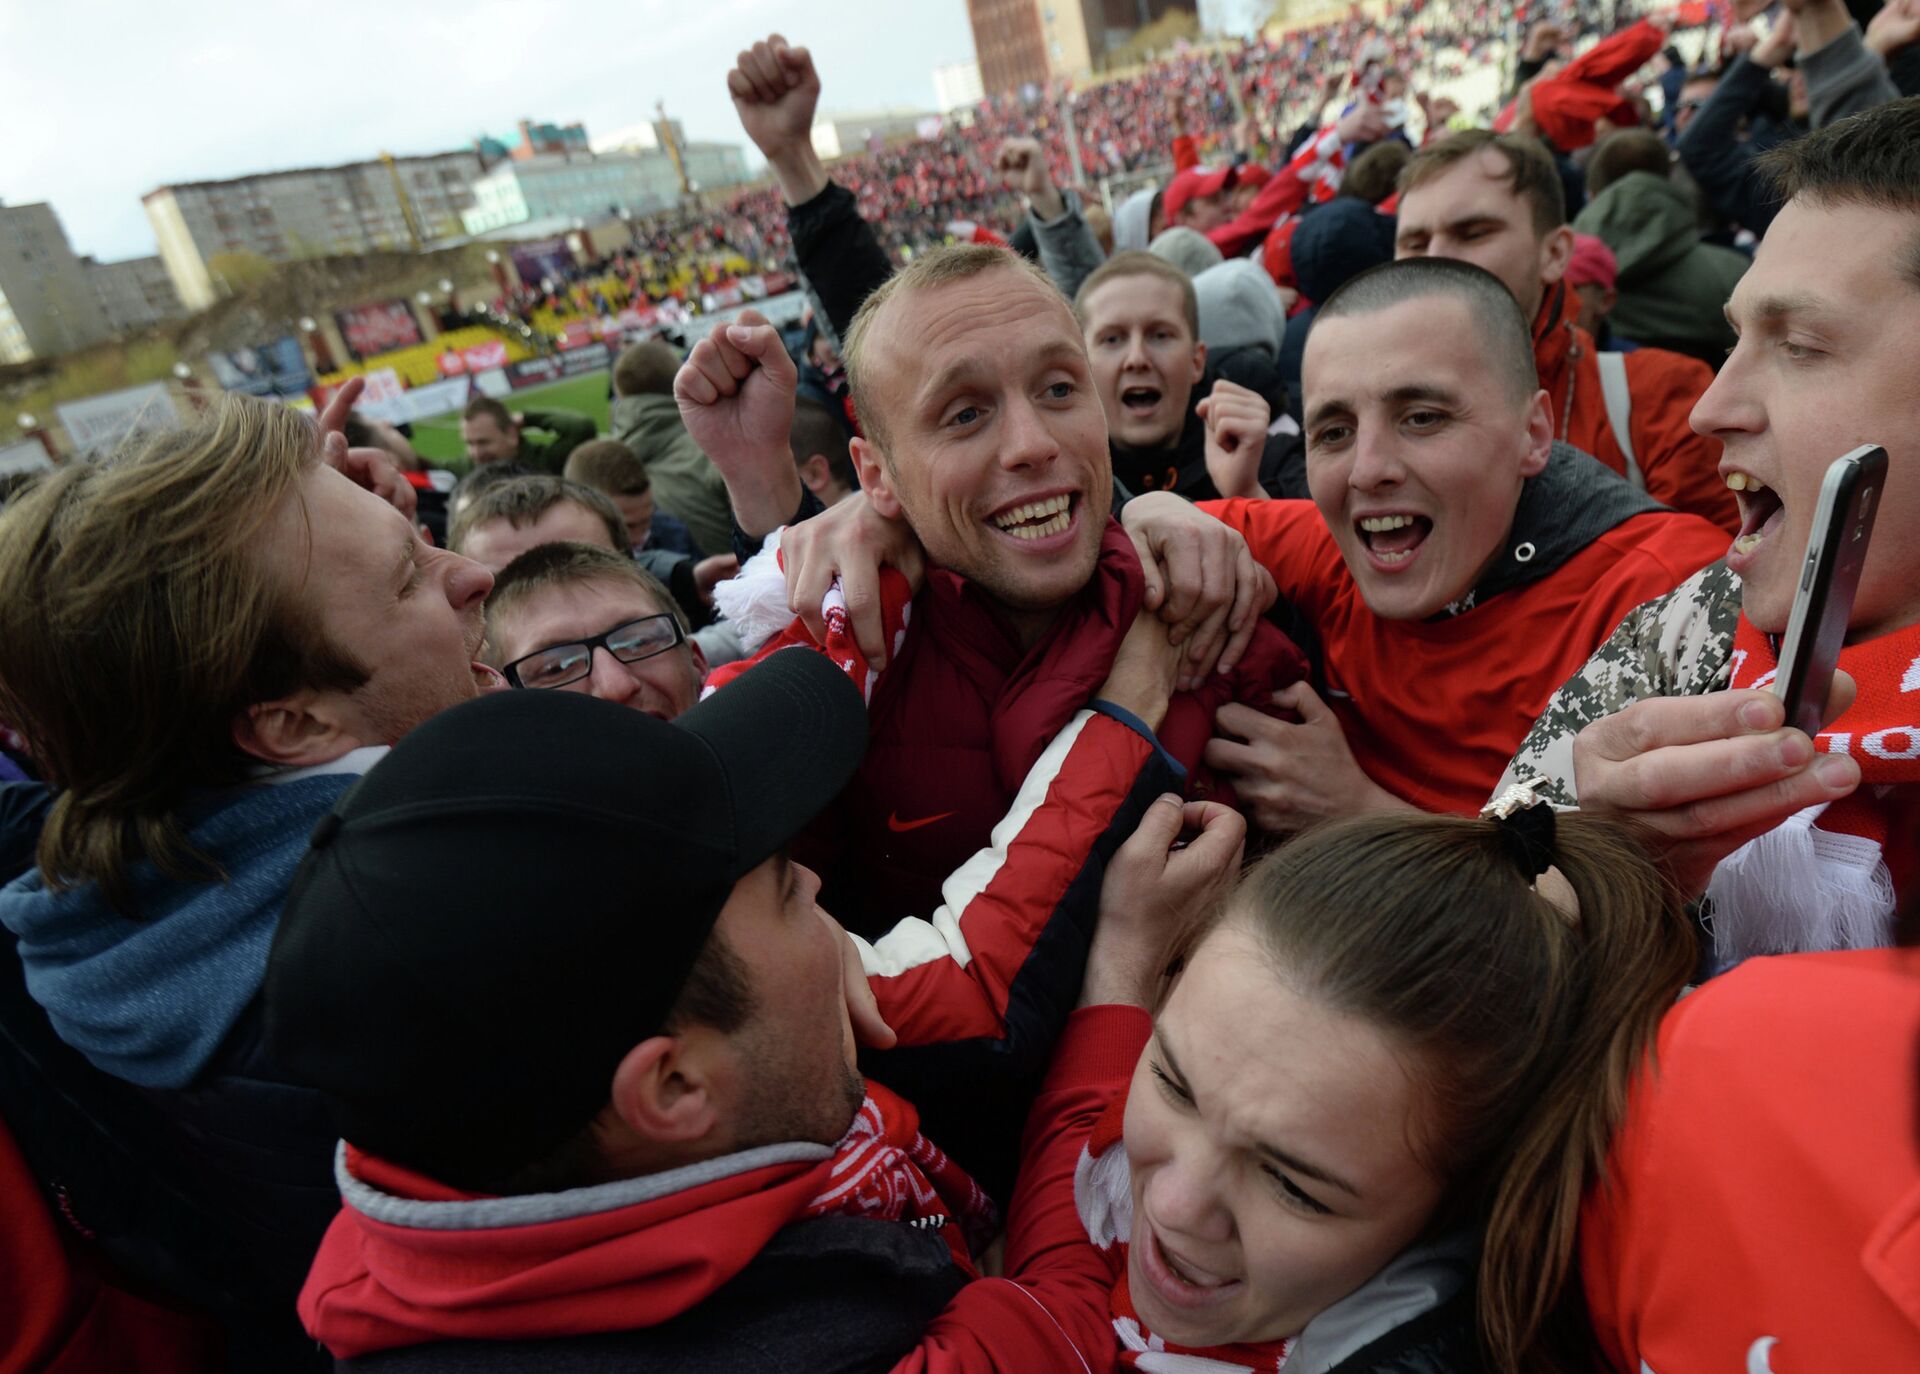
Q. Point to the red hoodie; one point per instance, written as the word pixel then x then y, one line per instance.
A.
pixel 409 1261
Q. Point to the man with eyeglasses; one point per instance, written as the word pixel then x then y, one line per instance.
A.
pixel 579 618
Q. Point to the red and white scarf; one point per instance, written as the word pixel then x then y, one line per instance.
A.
pixel 884 1168
pixel 1820 880
pixel 1103 1194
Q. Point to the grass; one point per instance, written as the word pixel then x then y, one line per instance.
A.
pixel 437 439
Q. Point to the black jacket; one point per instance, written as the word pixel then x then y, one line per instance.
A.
pixel 1720 161
pixel 837 253
pixel 1182 469
pixel 214 1197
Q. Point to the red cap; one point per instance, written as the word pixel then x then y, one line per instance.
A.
pixel 1276 254
pixel 1592 263
pixel 1196 183
pixel 1251 174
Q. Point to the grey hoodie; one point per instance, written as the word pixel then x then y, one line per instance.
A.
pixel 1133 222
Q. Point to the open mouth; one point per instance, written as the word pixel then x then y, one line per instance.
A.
pixel 1140 401
pixel 1037 519
pixel 1392 539
pixel 1760 512
pixel 1178 1281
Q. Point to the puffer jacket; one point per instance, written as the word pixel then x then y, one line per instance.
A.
pixel 1672 287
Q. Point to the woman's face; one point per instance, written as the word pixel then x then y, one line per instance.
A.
pixel 1271 1142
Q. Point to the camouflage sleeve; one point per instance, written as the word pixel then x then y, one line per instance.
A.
pixel 1679 644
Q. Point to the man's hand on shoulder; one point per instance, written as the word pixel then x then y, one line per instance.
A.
pixel 853 542
pixel 1201 581
pixel 735 392
pixel 1144 671
pixel 1706 774
pixel 1289 776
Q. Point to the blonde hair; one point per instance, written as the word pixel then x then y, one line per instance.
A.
pixel 1522 1023
pixel 137 625
pixel 940 267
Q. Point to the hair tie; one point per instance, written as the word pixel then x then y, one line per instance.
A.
pixel 1526 823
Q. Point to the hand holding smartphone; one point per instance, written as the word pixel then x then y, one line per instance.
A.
pixel 1829 577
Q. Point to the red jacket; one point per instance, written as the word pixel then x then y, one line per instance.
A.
pixel 411 1263
pixel 1763 1208
pixel 1681 468
pixel 1434 709
pixel 961 713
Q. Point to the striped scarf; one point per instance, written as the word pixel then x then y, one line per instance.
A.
pixel 884 1168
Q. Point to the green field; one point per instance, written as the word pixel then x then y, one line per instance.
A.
pixel 438 439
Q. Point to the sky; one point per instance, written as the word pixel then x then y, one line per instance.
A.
pixel 107 99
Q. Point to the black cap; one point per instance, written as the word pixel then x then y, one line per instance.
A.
pixel 512 899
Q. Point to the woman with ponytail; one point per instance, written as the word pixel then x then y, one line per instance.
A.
pixel 1354 1133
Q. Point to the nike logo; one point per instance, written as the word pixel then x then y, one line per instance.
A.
pixel 1760 1355
pixel 900 827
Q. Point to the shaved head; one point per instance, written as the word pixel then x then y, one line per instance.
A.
pixel 1505 342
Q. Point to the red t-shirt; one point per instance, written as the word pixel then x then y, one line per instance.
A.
pixel 1763 1205
pixel 1433 710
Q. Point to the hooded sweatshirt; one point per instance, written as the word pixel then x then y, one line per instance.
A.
pixel 1133 221
pixel 1433 709
pixel 1672 287
pixel 685 484
pixel 714 1266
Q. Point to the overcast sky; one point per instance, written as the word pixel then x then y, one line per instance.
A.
pixel 108 99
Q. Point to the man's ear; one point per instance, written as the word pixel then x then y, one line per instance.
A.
pixel 663 1093
pixel 699 657
pixel 814 474
pixel 297 731
pixel 1539 435
pixel 1556 251
pixel 875 480
pixel 1199 362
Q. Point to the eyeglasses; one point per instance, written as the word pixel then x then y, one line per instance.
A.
pixel 559 665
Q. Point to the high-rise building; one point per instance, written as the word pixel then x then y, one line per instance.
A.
pixel 134 294
pixel 591 186
pixel 1234 18
pixel 1008 44
pixel 957 85
pixel 47 305
pixel 209 230
pixel 1026 42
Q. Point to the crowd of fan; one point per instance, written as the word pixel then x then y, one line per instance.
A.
pixel 1201 790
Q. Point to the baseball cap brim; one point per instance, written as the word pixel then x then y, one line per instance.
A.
pixel 783 732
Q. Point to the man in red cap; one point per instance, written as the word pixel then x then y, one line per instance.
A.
pixel 1591 272
pixel 1197 199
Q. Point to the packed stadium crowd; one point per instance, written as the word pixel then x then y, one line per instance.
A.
pixel 1314 775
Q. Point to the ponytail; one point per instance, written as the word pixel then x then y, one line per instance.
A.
pixel 1526 1007
pixel 1629 952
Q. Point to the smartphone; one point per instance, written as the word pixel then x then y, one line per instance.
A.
pixel 1823 603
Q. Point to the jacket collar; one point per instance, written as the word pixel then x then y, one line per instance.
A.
pixel 1572 502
